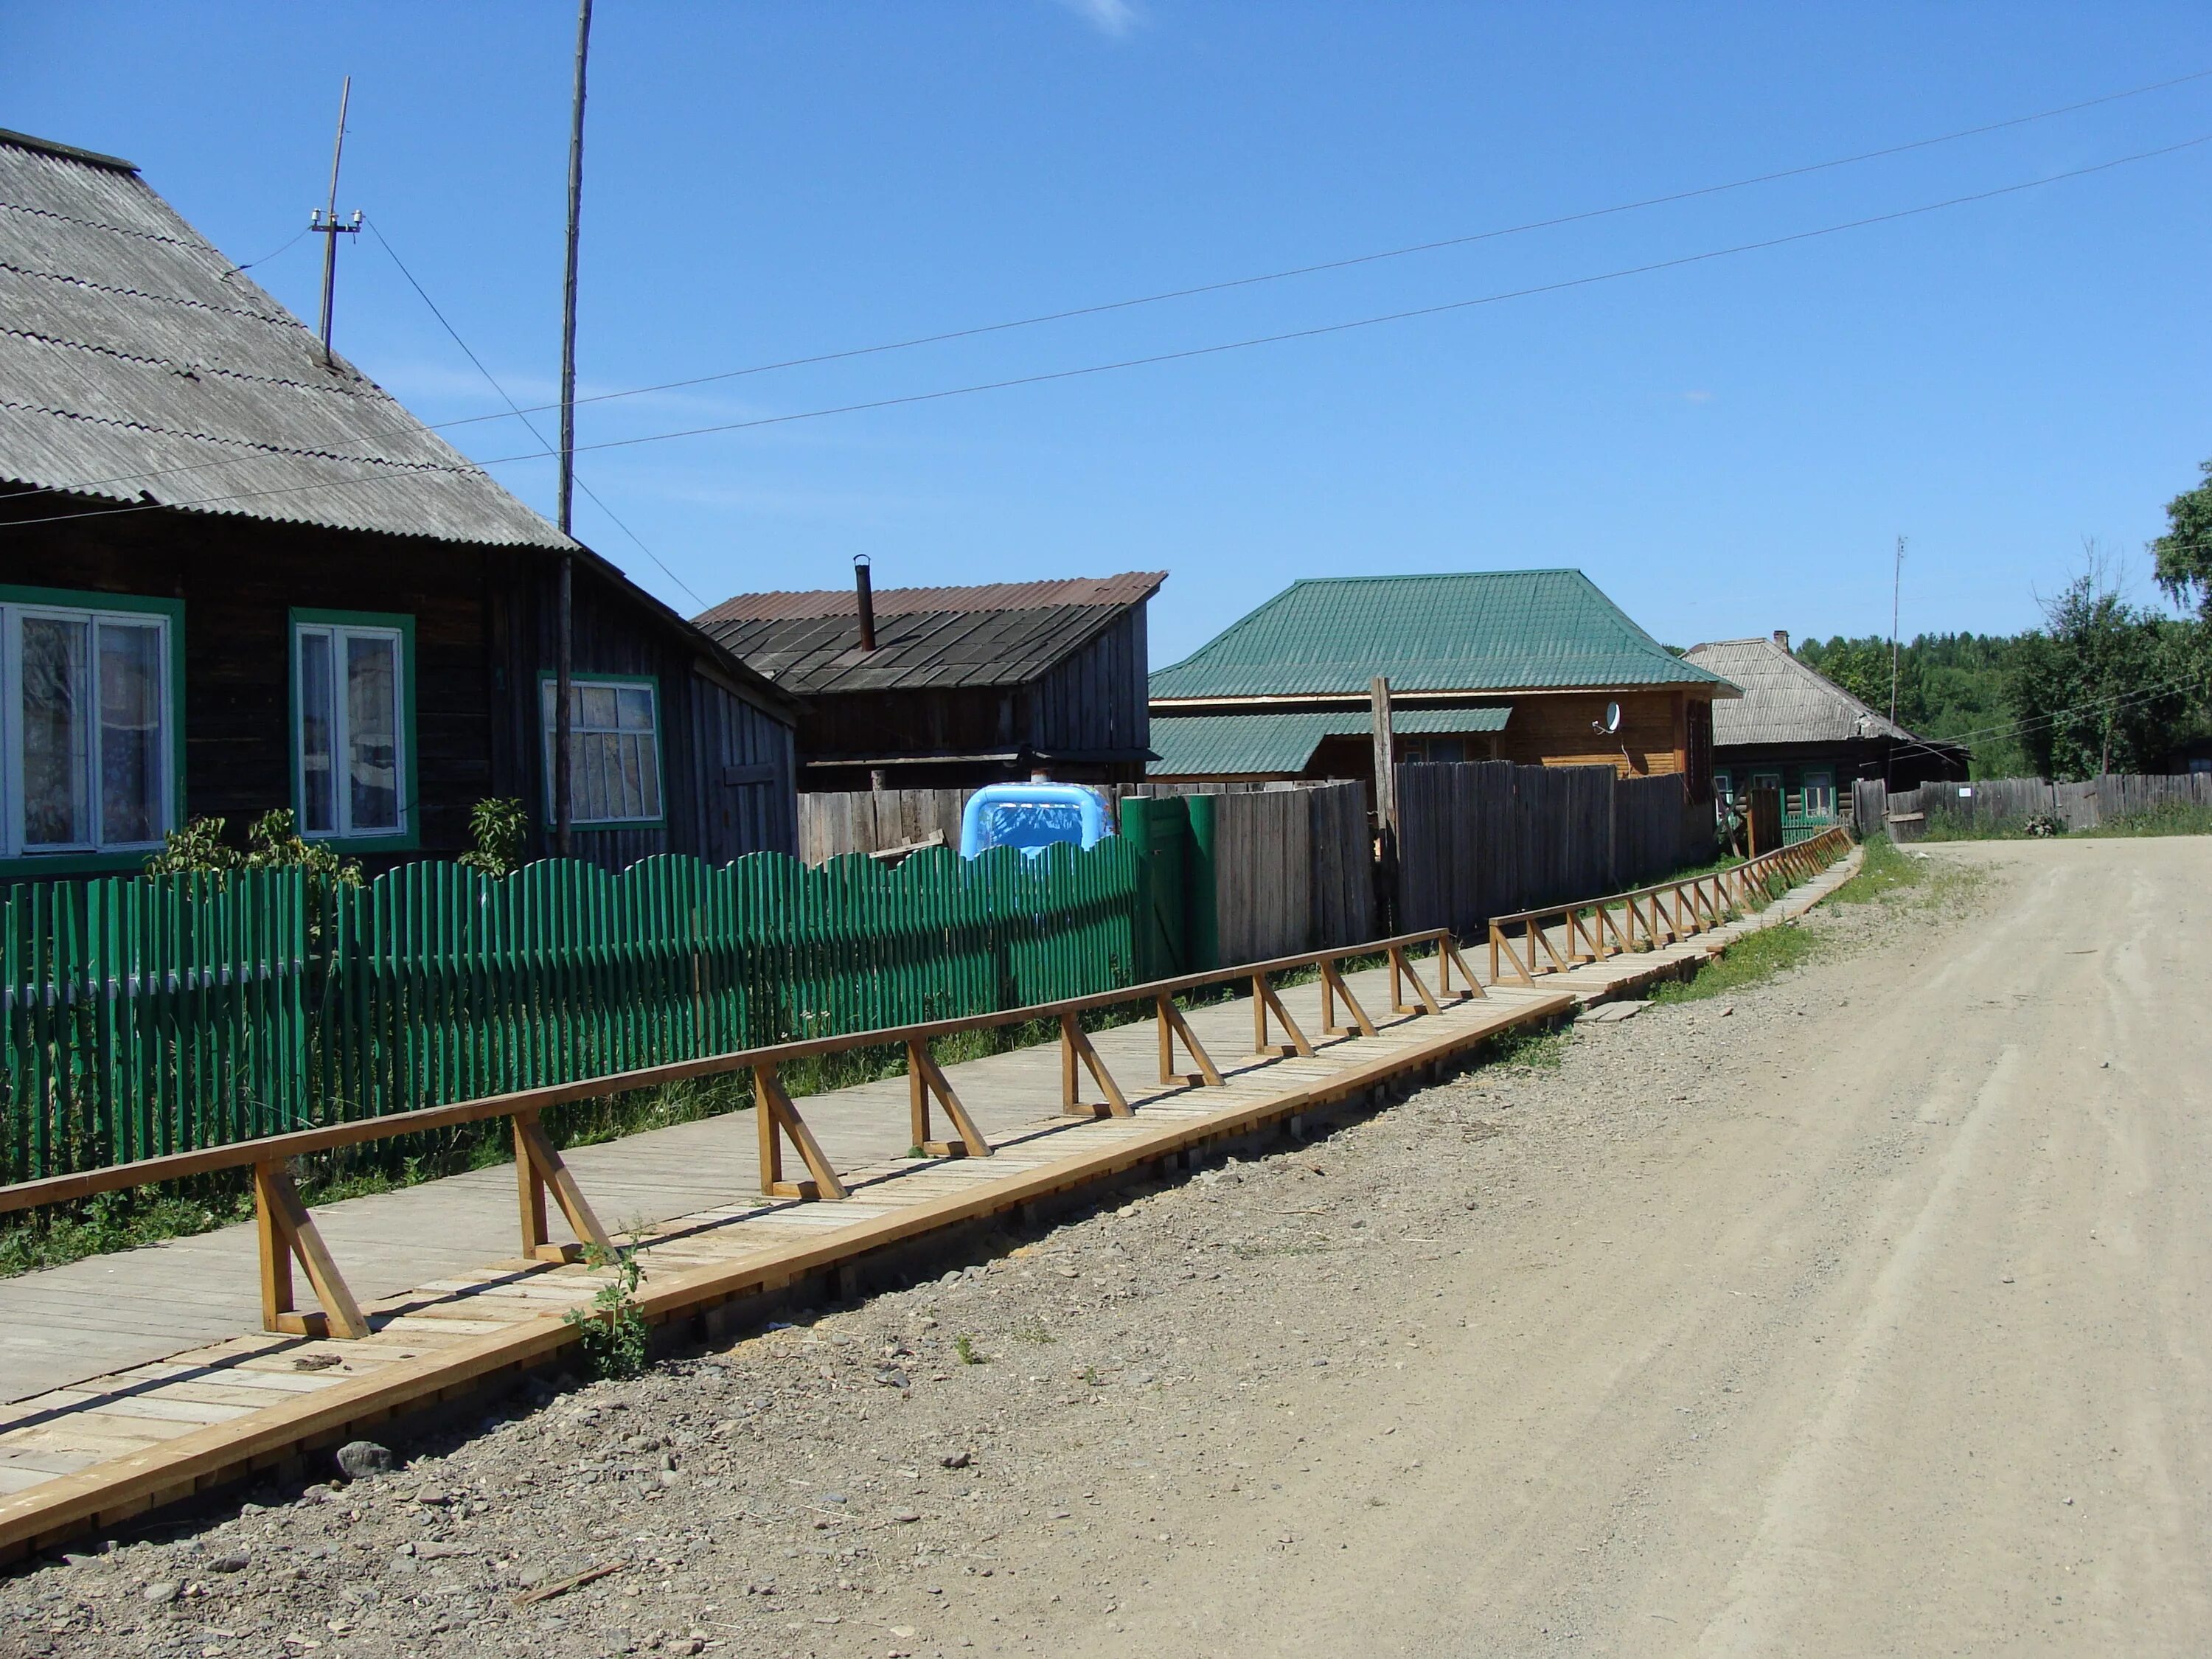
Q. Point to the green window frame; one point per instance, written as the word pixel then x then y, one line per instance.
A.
pixel 604 753
pixel 97 849
pixel 314 700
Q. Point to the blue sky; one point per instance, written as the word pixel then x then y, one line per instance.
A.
pixel 1726 448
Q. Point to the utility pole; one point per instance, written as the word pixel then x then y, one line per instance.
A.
pixel 325 224
pixel 1386 802
pixel 564 717
pixel 1896 590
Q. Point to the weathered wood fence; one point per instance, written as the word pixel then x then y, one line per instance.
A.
pixel 1996 804
pixel 1483 838
pixel 1291 867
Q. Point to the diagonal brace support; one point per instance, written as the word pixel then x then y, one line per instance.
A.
pixel 777 1117
pixel 285 1233
pixel 1075 1048
pixel 926 1078
pixel 539 1169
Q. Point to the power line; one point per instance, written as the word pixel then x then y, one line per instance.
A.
pixel 492 380
pixel 1320 331
pixel 2016 727
pixel 1191 353
pixel 1104 307
pixel 239 270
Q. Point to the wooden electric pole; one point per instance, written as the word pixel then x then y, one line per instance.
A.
pixel 326 225
pixel 564 677
pixel 1386 805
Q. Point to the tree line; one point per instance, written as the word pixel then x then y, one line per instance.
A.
pixel 2104 685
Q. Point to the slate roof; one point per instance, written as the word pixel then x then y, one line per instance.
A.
pixel 1784 702
pixel 1244 745
pixel 998 634
pixel 1503 630
pixel 136 363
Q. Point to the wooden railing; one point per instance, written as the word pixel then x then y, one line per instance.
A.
pixel 1593 930
pixel 288 1234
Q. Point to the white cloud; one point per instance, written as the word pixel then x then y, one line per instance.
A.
pixel 1113 17
pixel 1696 397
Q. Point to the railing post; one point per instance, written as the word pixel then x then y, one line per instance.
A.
pixel 778 1118
pixel 284 1231
pixel 537 1168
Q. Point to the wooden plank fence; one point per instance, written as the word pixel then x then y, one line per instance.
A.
pixel 1483 838
pixel 1293 865
pixel 1992 804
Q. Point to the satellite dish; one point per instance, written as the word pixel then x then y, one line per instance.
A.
pixel 1610 723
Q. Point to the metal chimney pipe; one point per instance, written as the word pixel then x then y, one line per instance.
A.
pixel 867 599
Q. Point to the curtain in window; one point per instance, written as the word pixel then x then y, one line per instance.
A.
pixel 373 730
pixel 57 736
pixel 319 802
pixel 130 806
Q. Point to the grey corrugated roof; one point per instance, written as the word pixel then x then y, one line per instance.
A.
pixel 137 363
pixel 1004 634
pixel 1245 745
pixel 1486 630
pixel 1783 701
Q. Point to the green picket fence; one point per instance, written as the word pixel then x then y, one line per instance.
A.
pixel 155 1014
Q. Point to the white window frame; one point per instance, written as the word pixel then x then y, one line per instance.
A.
pixel 549 708
pixel 343 829
pixel 12 615
pixel 1827 784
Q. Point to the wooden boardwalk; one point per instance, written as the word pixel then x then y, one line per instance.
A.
pixel 132 1380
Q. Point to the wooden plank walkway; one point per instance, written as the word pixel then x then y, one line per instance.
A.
pixel 134 1379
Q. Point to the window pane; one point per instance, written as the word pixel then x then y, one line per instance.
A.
pixel 372 732
pixel 599 708
pixel 319 801
pixel 633 786
pixel 649 760
pixel 131 733
pixel 636 708
pixel 601 797
pixel 55 729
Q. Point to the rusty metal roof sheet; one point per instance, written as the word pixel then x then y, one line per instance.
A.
pixel 137 363
pixel 1126 589
pixel 998 634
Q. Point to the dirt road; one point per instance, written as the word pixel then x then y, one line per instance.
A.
pixel 1869 1316
pixel 1896 1344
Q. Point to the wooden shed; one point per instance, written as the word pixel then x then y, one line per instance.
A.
pixel 235 574
pixel 932 687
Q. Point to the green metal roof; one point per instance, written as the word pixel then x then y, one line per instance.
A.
pixel 1238 745
pixel 1498 630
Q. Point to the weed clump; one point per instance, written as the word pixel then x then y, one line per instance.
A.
pixel 613 1334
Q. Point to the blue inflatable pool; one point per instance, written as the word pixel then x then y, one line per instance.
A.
pixel 1032 817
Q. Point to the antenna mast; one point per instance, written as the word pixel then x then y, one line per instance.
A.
pixel 325 223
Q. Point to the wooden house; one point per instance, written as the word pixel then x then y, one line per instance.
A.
pixel 235 574
pixel 1535 666
pixel 933 688
pixel 1797 731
